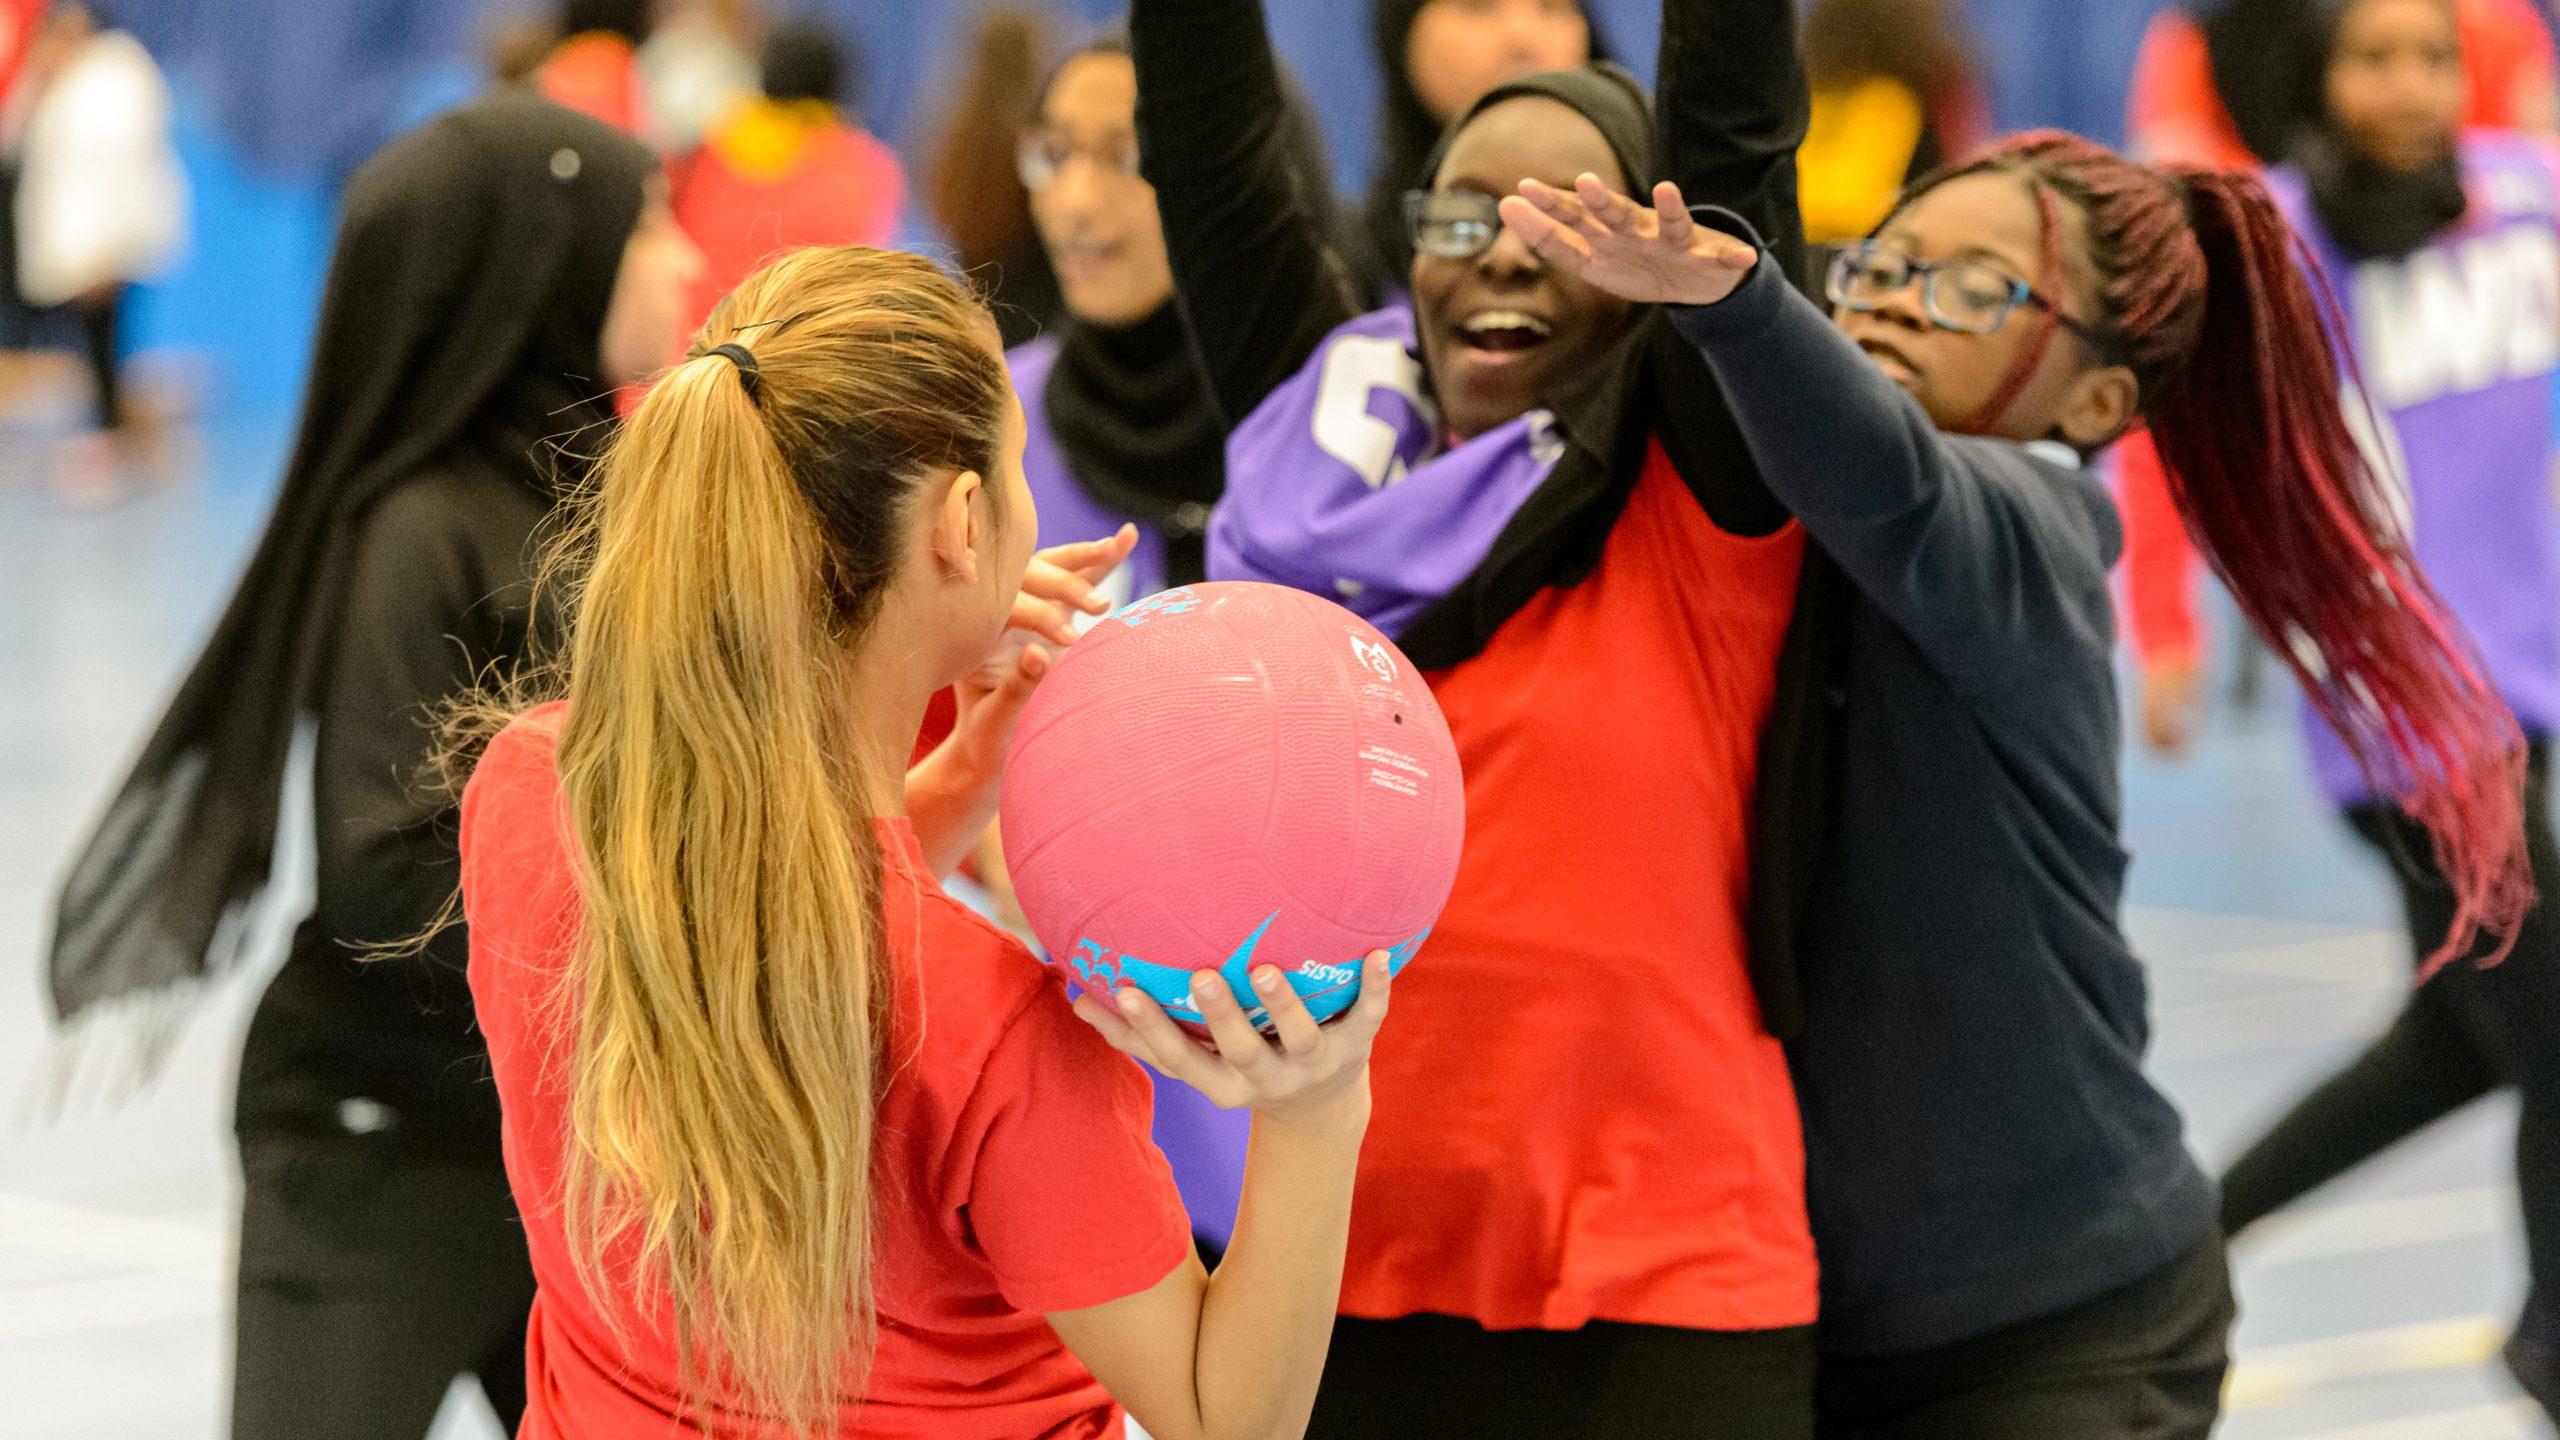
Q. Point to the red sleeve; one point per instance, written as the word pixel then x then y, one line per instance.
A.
pixel 2159 559
pixel 1070 1201
pixel 2506 48
pixel 2173 115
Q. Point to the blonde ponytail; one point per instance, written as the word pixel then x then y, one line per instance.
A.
pixel 729 985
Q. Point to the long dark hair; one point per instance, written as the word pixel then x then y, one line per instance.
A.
pixel 2197 277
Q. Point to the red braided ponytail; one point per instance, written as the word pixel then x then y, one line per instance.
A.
pixel 2196 274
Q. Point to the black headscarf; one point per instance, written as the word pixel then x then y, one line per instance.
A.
pixel 1407 135
pixel 1600 92
pixel 475 260
pixel 1129 405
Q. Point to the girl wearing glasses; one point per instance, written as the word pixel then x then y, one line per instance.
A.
pixel 1581 1207
pixel 2440 247
pixel 2015 1242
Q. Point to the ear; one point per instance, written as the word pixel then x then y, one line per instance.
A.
pixel 954 534
pixel 2101 404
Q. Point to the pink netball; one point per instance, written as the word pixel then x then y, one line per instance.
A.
pixel 1227 775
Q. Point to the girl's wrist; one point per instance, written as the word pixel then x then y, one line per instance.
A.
pixel 1339 1113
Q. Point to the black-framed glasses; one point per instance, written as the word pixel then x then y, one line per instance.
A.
pixel 1040 157
pixel 1974 297
pixel 1451 224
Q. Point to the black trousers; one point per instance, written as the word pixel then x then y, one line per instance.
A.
pixel 2465 1033
pixel 1433 1375
pixel 2143 1363
pixel 370 1279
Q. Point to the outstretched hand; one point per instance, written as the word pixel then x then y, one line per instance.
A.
pixel 1656 255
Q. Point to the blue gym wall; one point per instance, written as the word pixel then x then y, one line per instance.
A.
pixel 280 98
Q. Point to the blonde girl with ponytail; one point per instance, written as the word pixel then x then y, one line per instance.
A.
pixel 802 1146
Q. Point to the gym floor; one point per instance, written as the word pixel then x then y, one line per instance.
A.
pixel 2373 1314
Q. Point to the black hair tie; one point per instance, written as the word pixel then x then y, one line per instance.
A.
pixel 745 359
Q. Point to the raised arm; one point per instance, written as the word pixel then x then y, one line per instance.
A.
pixel 1252 261
pixel 1968 545
pixel 1730 110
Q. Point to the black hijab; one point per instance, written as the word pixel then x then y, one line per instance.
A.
pixel 475 259
pixel 1408 136
pixel 1130 406
pixel 1600 92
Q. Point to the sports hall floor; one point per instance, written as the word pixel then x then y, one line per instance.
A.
pixel 2373 1316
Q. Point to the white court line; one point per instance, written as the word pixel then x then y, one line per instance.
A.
pixel 2367 1227
pixel 128 1242
pixel 2365 959
pixel 114 1302
pixel 2285 1020
pixel 2513 1420
pixel 2278 1373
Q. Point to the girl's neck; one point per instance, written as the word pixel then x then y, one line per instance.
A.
pixel 886 695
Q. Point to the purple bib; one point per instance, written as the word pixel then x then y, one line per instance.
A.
pixel 2458 343
pixel 1338 483
pixel 1067 513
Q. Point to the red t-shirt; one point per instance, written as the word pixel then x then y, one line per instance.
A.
pixel 596 73
pixel 1014 1166
pixel 1579 1114
pixel 823 185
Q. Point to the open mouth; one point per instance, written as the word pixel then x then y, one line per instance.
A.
pixel 1083 255
pixel 1499 336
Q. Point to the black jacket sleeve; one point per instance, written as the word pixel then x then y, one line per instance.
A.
pixel 1253 260
pixel 1730 111
pixel 1992 561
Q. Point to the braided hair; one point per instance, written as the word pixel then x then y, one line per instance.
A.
pixel 2195 279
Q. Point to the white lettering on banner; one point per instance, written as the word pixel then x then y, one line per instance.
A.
pixel 2454 318
pixel 1343 426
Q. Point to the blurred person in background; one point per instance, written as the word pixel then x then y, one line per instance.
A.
pixel 1896 94
pixel 2221 85
pixel 786 168
pixel 972 189
pixel 2213 84
pixel 513 45
pixel 698 65
pixel 2441 247
pixel 95 200
pixel 497 272
pixel 1435 59
pixel 595 69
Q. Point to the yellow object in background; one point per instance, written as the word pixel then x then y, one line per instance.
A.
pixel 1856 156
